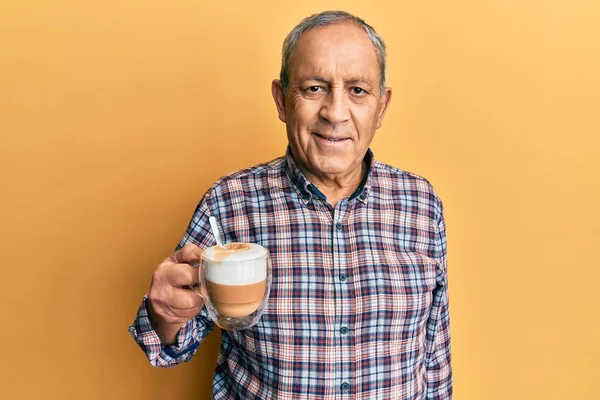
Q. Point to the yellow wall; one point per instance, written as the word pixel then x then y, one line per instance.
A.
pixel 116 116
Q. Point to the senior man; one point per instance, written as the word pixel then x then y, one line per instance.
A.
pixel 358 306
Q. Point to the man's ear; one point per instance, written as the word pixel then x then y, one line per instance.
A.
pixel 384 102
pixel 279 98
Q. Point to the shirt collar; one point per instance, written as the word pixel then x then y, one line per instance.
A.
pixel 308 190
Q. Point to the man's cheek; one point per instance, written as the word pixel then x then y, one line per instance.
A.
pixel 310 111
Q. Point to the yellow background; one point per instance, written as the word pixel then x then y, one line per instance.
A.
pixel 116 116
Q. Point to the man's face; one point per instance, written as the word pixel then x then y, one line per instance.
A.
pixel 333 105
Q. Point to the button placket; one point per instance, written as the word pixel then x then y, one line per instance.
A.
pixel 344 300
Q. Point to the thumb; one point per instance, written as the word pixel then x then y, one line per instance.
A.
pixel 189 254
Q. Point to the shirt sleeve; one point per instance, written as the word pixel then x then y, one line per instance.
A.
pixel 438 363
pixel 196 329
pixel 189 338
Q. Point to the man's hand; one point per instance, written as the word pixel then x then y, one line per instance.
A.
pixel 172 301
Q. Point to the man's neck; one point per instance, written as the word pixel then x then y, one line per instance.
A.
pixel 337 187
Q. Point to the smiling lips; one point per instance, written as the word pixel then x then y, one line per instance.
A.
pixel 331 138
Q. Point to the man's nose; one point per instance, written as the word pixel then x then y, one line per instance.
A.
pixel 335 108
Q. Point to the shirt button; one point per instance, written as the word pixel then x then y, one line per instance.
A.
pixel 344 330
pixel 345 386
pixel 339 226
pixel 343 277
pixel 363 196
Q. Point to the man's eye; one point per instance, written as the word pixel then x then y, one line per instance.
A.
pixel 357 90
pixel 314 89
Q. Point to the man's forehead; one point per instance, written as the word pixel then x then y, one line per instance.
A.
pixel 337 35
pixel 341 49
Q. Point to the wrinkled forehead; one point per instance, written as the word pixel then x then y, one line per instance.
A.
pixel 341 51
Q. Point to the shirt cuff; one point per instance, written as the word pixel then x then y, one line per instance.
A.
pixel 158 354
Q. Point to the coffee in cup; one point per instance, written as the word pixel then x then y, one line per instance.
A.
pixel 236 283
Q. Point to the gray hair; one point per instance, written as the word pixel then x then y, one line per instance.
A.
pixel 323 19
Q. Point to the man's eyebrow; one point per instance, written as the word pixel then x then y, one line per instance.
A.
pixel 351 81
pixel 356 81
pixel 317 78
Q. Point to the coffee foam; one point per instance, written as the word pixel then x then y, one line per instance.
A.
pixel 237 265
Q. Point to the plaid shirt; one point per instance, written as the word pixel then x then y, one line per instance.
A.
pixel 358 306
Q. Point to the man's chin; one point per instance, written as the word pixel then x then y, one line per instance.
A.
pixel 331 166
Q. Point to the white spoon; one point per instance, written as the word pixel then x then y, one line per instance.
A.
pixel 215 230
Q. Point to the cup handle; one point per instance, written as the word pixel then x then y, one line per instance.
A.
pixel 195 288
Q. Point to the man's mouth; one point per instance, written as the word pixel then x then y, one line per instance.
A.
pixel 331 138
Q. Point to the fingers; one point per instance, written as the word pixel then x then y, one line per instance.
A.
pixel 185 299
pixel 175 305
pixel 171 297
pixel 177 269
pixel 190 253
pixel 181 274
pixel 196 289
pixel 170 315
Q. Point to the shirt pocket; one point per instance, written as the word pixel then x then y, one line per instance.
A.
pixel 405 285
